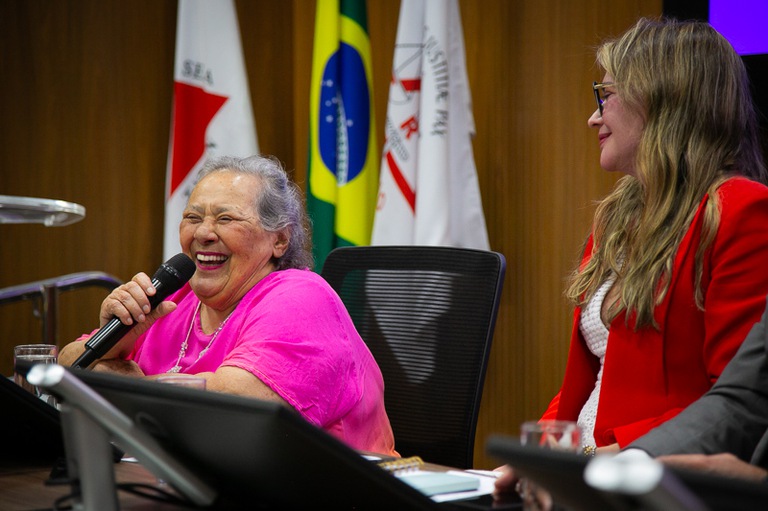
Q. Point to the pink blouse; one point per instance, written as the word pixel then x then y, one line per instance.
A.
pixel 291 331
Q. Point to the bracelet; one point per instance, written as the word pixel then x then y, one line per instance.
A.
pixel 589 450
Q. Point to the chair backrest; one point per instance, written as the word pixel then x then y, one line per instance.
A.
pixel 427 314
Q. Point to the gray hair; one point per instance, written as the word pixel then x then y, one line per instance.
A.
pixel 279 205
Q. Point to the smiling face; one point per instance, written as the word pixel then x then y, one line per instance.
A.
pixel 619 132
pixel 222 233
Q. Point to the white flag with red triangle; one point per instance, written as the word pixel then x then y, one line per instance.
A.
pixel 428 188
pixel 212 112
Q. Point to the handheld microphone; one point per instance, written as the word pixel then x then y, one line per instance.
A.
pixel 168 279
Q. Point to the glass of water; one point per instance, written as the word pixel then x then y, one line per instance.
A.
pixel 34 354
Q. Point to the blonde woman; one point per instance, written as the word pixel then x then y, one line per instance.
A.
pixel 675 271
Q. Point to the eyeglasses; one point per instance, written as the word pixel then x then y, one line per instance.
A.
pixel 600 94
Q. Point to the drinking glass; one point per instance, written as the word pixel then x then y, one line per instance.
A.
pixel 183 380
pixel 36 354
pixel 190 381
pixel 552 434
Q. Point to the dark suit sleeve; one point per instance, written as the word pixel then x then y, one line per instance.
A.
pixel 731 417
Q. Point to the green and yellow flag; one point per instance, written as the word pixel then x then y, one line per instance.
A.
pixel 343 157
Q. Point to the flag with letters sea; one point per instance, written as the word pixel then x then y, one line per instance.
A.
pixel 343 156
pixel 429 192
pixel 212 112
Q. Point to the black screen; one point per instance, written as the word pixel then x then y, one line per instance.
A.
pixel 255 452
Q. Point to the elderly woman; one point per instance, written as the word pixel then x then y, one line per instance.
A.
pixel 253 320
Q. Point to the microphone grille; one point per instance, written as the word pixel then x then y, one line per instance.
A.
pixel 179 267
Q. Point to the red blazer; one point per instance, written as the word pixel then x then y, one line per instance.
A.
pixel 651 375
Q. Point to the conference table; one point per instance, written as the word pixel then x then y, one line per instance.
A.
pixel 26 488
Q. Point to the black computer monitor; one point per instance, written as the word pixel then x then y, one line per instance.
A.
pixel 562 473
pixel 253 452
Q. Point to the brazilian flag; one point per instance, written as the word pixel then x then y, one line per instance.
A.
pixel 343 158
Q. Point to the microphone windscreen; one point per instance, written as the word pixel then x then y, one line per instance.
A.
pixel 175 272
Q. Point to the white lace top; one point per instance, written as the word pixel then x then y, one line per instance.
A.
pixel 596 336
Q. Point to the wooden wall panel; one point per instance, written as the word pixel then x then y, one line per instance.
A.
pixel 86 113
pixel 266 32
pixel 530 67
pixel 86 109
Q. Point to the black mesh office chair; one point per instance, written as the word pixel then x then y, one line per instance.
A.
pixel 427 314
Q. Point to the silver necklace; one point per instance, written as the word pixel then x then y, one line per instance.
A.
pixel 184 345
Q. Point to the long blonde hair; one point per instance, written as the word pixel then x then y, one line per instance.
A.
pixel 700 128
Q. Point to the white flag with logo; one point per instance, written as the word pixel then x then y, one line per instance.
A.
pixel 428 188
pixel 212 114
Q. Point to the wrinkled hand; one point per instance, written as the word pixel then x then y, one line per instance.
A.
pixel 506 482
pixel 129 303
pixel 725 464
pixel 534 497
